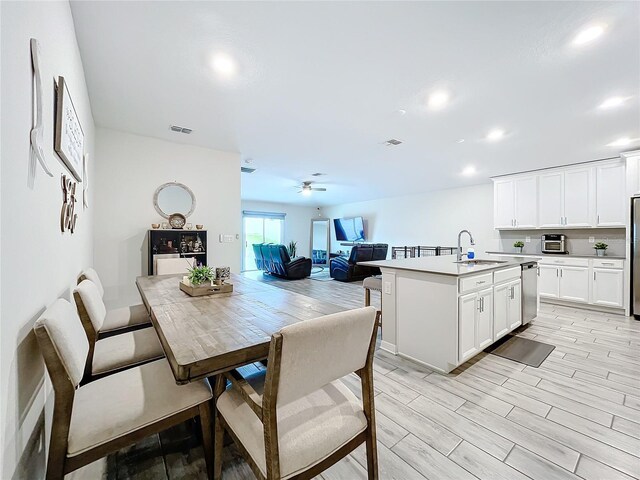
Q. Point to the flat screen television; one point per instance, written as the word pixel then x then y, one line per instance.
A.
pixel 349 229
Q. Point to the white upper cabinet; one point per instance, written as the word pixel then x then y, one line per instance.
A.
pixel 571 197
pixel 504 204
pixel 550 200
pixel 579 196
pixel 610 195
pixel 526 198
pixel 515 202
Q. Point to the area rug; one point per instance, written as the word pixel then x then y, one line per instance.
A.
pixel 521 350
pixel 320 274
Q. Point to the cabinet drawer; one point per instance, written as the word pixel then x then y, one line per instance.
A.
pixel 569 262
pixel 602 263
pixel 507 274
pixel 477 281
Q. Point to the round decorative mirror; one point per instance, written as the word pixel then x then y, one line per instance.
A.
pixel 174 197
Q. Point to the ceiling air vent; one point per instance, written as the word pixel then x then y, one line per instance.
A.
pixel 179 129
pixel 247 170
pixel 317 174
pixel 393 142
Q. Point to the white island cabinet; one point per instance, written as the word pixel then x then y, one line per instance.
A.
pixel 440 313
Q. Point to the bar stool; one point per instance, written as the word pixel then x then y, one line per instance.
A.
pixel 372 283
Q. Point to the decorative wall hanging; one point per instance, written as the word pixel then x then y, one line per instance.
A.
pixel 36 152
pixel 69 137
pixel 85 181
pixel 68 216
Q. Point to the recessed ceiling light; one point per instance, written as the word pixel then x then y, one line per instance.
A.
pixel 438 100
pixel 495 134
pixel 469 170
pixel 402 112
pixel 224 65
pixel 588 35
pixel 621 142
pixel 612 102
pixel 460 140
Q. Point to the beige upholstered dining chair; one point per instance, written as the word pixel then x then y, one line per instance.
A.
pixel 168 266
pixel 108 414
pixel 110 354
pixel 300 419
pixel 118 320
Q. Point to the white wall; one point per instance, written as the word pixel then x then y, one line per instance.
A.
pixel 432 218
pixel 129 169
pixel 297 222
pixel 39 263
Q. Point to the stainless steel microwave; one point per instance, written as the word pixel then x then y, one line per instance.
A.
pixel 554 243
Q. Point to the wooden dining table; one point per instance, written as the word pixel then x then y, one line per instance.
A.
pixel 207 335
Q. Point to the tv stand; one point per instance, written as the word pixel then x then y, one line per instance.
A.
pixel 353 244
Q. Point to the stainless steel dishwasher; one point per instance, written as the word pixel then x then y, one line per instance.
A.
pixel 529 291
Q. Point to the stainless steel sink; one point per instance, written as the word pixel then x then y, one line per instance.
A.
pixel 471 263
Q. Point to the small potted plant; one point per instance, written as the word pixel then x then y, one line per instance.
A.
pixel 201 274
pixel 518 246
pixel 293 246
pixel 601 248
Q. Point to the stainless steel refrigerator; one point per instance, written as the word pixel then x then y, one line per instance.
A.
pixel 635 256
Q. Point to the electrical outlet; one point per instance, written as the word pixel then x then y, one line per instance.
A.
pixel 527 239
pixel 592 239
pixel 387 288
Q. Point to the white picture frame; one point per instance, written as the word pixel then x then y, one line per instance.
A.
pixel 69 137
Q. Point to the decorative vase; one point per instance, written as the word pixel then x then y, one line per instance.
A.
pixel 519 249
pixel 600 252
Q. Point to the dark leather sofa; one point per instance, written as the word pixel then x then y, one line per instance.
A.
pixel 346 269
pixel 275 260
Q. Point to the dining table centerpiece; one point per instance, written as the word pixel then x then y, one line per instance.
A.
pixel 201 280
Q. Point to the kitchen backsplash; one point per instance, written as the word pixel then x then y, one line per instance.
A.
pixel 577 240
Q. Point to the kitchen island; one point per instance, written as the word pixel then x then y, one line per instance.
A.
pixel 440 313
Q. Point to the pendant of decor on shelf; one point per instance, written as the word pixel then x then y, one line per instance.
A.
pixel 36 152
pixel 68 216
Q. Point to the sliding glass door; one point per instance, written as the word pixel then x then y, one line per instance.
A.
pixel 260 227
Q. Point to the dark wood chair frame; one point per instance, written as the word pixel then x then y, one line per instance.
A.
pixel 59 464
pixel 118 331
pixel 93 336
pixel 265 408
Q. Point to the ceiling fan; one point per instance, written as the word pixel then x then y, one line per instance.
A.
pixel 306 188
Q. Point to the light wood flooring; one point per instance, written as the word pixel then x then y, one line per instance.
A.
pixel 577 416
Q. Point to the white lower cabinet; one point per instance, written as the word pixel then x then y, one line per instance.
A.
pixel 507 312
pixel 548 281
pixel 607 287
pixel 475 323
pixel 581 280
pixel 574 284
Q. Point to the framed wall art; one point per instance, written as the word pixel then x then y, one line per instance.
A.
pixel 69 137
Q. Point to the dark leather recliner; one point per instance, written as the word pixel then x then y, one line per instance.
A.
pixel 348 270
pixel 275 260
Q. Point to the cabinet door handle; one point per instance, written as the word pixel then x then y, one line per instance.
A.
pixel 607 263
pixel 598 220
pixel 594 275
pixel 561 272
pixel 557 272
pixel 481 282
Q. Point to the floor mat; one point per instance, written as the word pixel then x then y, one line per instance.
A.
pixel 521 350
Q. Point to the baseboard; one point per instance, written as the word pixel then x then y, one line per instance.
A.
pixel 583 306
pixel 388 347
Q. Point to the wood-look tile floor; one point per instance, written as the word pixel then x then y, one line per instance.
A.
pixel 577 416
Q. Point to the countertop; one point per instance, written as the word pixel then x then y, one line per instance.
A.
pixel 558 255
pixel 445 264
